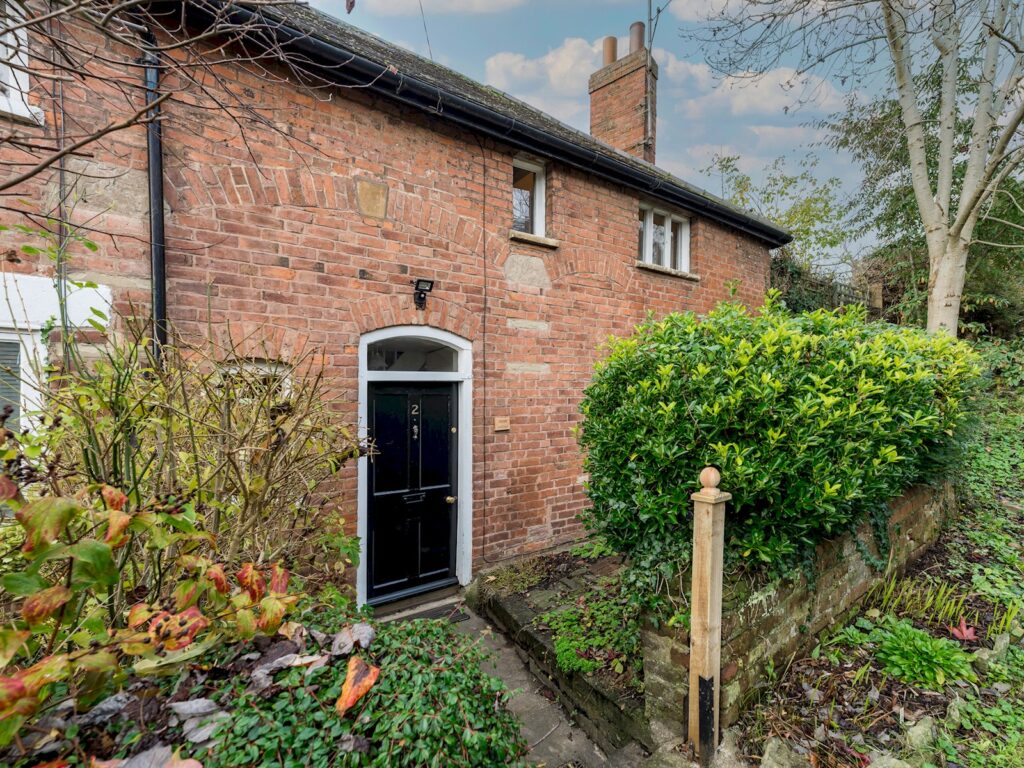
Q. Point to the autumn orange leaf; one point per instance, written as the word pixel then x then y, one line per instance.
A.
pixel 252 582
pixel 359 680
pixel 12 689
pixel 245 622
pixel 44 520
pixel 278 580
pixel 216 576
pixel 176 631
pixel 117 522
pixel 185 594
pixel 44 604
pixel 8 488
pixel 271 615
pixel 113 498
pixel 139 614
pixel 11 641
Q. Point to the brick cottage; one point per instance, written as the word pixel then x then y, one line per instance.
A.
pixel 456 256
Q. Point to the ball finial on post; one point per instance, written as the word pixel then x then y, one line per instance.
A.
pixel 710 478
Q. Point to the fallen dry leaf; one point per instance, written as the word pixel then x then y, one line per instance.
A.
pixel 359 680
pixel 361 634
pixel 292 630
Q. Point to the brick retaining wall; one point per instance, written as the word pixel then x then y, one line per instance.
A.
pixel 784 618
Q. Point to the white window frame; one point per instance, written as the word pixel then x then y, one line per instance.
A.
pixel 28 305
pixel 30 363
pixel 678 252
pixel 540 219
pixel 14 68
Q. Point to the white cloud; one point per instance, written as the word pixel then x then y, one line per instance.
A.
pixel 701 10
pixel 699 115
pixel 773 93
pixel 412 7
pixel 676 71
pixel 785 136
pixel 555 82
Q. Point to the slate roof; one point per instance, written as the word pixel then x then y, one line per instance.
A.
pixel 410 67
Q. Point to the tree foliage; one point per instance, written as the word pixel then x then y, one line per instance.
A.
pixel 890 43
pixel 993 300
pixel 799 201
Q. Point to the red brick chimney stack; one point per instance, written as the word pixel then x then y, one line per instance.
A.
pixel 623 97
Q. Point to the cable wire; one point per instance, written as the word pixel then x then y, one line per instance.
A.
pixel 425 33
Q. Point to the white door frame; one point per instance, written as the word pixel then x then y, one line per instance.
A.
pixel 463 378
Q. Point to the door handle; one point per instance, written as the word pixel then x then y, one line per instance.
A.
pixel 451 499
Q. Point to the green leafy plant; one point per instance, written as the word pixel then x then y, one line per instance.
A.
pixel 986 736
pixel 70 637
pixel 592 548
pixel 813 420
pixel 909 654
pixel 933 601
pixel 155 500
pixel 245 441
pixel 431 706
pixel 600 631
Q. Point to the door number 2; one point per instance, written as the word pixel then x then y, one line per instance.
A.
pixel 415 409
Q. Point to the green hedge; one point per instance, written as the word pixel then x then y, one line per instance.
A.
pixel 815 420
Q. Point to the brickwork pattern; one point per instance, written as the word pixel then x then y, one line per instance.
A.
pixel 618 106
pixel 266 243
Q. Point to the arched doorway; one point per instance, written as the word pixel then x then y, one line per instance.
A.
pixel 415 493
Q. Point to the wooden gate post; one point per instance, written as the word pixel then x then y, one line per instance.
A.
pixel 706 613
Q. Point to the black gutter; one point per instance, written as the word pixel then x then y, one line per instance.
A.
pixel 157 239
pixel 350 68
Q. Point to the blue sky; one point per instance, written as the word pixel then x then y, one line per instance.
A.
pixel 543 52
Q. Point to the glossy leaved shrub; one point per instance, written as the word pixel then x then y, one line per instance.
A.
pixel 815 421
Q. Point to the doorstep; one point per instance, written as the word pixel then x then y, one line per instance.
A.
pixel 410 607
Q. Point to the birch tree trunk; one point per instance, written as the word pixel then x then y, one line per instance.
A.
pixel 948 269
pixel 975 43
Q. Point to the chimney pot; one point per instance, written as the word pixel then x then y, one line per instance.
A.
pixel 636 36
pixel 611 50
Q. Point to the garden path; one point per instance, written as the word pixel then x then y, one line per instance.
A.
pixel 555 741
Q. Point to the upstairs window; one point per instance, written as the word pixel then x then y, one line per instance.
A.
pixel 663 240
pixel 14 63
pixel 528 198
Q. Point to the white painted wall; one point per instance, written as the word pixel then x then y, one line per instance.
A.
pixel 27 304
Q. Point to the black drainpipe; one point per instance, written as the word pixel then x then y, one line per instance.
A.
pixel 157 242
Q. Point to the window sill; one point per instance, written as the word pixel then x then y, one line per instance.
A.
pixel 668 271
pixel 20 113
pixel 526 237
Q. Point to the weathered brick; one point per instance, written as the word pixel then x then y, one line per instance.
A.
pixel 272 239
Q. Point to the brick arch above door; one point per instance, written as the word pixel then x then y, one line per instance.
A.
pixel 397 309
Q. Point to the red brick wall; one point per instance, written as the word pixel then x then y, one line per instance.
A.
pixel 265 241
pixel 618 108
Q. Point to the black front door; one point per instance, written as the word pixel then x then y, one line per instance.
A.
pixel 412 500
